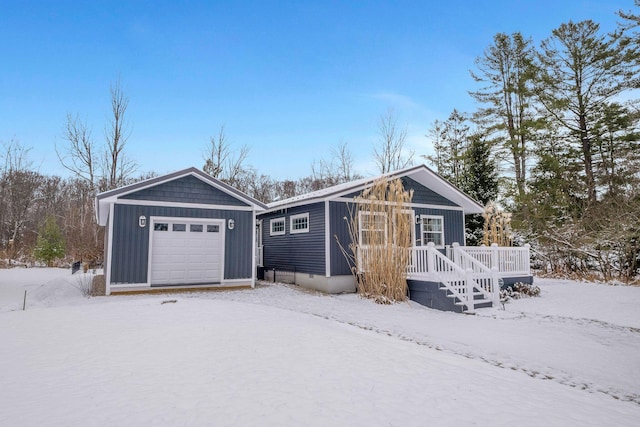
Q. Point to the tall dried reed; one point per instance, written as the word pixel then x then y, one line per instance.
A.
pixel 497 226
pixel 380 226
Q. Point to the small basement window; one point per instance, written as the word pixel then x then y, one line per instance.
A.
pixel 299 223
pixel 160 226
pixel 195 228
pixel 179 227
pixel 277 227
pixel 213 228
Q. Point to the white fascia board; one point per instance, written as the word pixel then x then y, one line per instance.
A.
pixel 181 205
pixel 102 210
pixel 103 207
pixel 412 205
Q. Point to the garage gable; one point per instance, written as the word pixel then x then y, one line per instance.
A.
pixel 187 189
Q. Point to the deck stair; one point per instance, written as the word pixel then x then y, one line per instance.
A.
pixel 469 283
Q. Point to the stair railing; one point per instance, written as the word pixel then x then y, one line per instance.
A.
pixel 486 279
pixel 428 261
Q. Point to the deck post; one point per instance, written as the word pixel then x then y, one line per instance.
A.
pixel 494 255
pixel 495 286
pixel 430 257
pixel 455 255
pixel 527 258
pixel 468 278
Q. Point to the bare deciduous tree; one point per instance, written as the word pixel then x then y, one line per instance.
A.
pixel 338 169
pixel 117 166
pixel 222 162
pixel 18 192
pixel 79 155
pixel 390 154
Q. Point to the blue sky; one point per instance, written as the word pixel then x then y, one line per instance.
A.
pixel 289 79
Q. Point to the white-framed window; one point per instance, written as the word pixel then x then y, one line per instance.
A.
pixel 372 229
pixel 276 227
pixel 299 223
pixel 411 218
pixel 432 230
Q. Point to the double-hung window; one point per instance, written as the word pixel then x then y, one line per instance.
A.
pixel 432 230
pixel 373 228
pixel 404 221
pixel 299 223
pixel 277 227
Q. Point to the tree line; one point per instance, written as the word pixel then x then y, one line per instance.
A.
pixel 554 142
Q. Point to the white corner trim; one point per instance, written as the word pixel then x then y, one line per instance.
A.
pixel 253 250
pixel 107 273
pixel 327 240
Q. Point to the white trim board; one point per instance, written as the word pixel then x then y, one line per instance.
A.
pixel 407 205
pixel 327 240
pixel 107 273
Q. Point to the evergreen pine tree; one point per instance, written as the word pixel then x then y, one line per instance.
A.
pixel 579 72
pixel 505 69
pixel 50 244
pixel 481 183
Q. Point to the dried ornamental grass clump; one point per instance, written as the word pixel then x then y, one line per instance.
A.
pixel 497 226
pixel 380 232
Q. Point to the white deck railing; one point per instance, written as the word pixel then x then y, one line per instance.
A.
pixel 510 261
pixel 486 278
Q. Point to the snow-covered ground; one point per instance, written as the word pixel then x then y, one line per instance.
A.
pixel 279 355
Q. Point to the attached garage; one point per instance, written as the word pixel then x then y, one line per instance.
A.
pixel 184 229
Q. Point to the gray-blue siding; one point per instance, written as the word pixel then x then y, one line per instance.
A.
pixel 188 189
pixel 340 215
pixel 302 252
pixel 421 194
pixel 306 252
pixel 130 243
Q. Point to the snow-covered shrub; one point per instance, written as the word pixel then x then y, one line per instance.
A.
pixel 519 290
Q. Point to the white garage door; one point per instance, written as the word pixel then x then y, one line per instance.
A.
pixel 186 251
